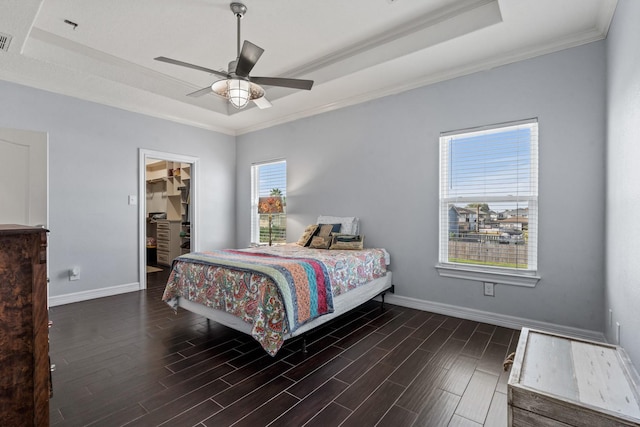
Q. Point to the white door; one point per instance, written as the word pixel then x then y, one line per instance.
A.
pixel 23 177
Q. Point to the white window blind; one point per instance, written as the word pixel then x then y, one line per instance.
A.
pixel 268 179
pixel 489 197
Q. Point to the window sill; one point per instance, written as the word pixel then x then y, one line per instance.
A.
pixel 526 279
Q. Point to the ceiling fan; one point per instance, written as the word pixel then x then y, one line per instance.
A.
pixel 237 86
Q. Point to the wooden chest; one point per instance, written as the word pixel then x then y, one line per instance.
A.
pixel 561 381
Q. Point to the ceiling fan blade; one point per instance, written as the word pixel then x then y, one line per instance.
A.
pixel 249 55
pixel 195 67
pixel 283 82
pixel 262 103
pixel 201 92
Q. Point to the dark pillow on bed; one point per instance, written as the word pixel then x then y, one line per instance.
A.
pixel 308 233
pixel 320 242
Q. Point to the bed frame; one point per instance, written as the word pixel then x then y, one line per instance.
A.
pixel 341 304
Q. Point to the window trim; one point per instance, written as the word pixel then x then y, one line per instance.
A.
pixel 498 275
pixel 255 197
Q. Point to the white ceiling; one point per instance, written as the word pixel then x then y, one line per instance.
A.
pixel 354 50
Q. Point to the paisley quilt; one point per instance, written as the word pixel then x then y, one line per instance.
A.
pixel 275 289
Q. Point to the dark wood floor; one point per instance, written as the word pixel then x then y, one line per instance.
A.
pixel 129 360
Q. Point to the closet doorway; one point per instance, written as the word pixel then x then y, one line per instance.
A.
pixel 167 214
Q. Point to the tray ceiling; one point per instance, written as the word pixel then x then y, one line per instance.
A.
pixel 354 50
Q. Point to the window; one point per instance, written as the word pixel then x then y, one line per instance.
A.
pixel 489 201
pixel 268 179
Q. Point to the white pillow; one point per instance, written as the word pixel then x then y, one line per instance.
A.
pixel 350 224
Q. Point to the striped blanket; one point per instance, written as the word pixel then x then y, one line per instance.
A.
pixel 303 283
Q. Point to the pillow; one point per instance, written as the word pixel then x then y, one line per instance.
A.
pixel 320 242
pixel 308 233
pixel 321 238
pixel 347 241
pixel 349 224
pixel 325 230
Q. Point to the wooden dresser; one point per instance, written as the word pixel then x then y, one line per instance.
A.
pixel 24 343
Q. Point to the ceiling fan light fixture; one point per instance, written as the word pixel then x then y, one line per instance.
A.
pixel 238 91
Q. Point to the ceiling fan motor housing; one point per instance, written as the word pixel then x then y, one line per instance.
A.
pixel 238 9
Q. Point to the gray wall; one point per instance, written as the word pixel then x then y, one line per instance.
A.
pixel 93 167
pixel 623 178
pixel 379 161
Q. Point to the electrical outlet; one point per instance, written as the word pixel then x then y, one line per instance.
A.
pixel 489 289
pixel 618 333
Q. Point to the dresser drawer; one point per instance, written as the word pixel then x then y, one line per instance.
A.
pixel 163 258
pixel 168 241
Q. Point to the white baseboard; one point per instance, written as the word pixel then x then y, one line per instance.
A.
pixel 92 294
pixel 497 319
pixel 492 318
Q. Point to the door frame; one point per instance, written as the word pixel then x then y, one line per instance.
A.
pixel 143 155
pixel 36 195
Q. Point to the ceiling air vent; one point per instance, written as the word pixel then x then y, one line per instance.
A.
pixel 5 39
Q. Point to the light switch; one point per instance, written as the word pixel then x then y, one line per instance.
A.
pixel 133 200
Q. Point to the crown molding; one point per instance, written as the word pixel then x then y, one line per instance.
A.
pixel 586 37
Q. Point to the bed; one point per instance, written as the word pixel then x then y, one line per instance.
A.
pixel 274 293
